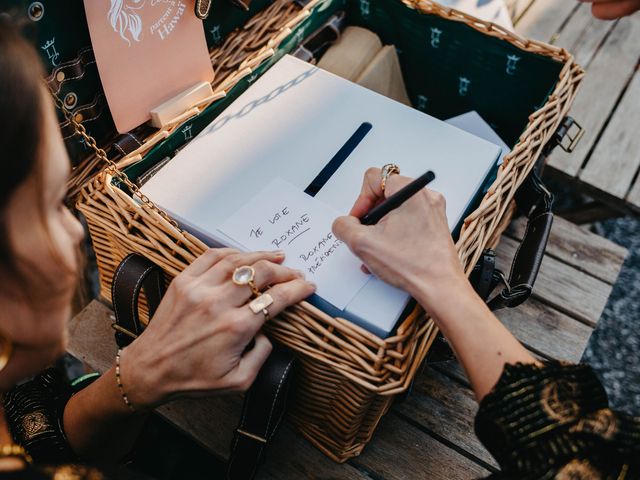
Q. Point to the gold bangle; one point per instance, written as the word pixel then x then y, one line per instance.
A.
pixel 119 382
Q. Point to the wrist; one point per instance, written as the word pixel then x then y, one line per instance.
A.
pixel 437 295
pixel 139 379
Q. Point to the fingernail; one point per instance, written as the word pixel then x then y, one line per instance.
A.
pixel 300 273
pixel 279 253
pixel 313 285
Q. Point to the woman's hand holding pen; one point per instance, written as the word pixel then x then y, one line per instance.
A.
pixel 411 247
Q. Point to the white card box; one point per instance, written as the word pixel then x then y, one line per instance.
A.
pixel 290 123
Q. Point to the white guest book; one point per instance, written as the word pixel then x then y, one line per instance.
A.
pixel 300 129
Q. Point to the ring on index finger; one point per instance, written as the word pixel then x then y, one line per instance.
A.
pixel 245 275
pixel 387 170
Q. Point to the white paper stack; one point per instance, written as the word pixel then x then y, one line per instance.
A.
pixel 286 128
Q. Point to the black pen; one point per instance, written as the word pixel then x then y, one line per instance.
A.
pixel 394 201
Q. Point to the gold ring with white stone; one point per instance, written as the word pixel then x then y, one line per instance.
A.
pixel 245 275
pixel 387 170
pixel 260 304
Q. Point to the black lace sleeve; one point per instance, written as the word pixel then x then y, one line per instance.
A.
pixel 34 412
pixel 554 421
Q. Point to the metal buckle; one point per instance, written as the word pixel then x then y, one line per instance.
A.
pixel 564 133
pixel 120 329
pixel 251 436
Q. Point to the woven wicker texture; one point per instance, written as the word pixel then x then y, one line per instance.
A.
pixel 348 376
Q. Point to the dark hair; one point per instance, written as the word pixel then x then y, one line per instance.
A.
pixel 21 121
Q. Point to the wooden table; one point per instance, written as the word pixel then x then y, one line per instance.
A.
pixel 430 434
pixel 606 163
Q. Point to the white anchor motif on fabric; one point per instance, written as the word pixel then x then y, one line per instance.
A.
pixel 216 36
pixel 365 8
pixel 299 36
pixel 463 86
pixel 186 131
pixel 512 66
pixel 422 102
pixel 252 78
pixel 50 49
pixel 435 37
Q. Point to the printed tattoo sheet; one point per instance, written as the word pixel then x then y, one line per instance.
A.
pixel 283 217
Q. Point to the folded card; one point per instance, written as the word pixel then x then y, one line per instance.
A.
pixel 147 51
pixel 283 217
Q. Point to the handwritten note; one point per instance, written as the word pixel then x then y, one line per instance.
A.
pixel 283 217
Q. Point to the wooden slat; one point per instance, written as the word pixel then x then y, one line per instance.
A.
pixel 446 408
pixel 579 248
pixel 606 77
pixel 634 195
pixel 546 330
pixel 291 457
pixel 567 289
pixel 583 34
pixel 616 158
pixel 400 451
pixel 543 20
pixel 517 8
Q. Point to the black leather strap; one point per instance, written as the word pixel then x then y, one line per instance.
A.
pixel 533 199
pixel 85 114
pixel 262 412
pixel 265 402
pixel 130 141
pixel 133 274
pixel 483 275
pixel 316 44
pixel 71 70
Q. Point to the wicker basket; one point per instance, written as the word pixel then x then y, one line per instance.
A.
pixel 348 377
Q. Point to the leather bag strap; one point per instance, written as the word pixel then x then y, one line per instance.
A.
pixel 134 273
pixel 535 201
pixel 264 404
pixel 262 412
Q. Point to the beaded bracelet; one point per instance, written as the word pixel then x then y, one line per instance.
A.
pixel 119 381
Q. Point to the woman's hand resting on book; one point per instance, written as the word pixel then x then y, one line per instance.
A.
pixel 196 341
pixel 411 247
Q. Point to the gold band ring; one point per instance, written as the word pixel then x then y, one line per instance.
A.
pixel 387 170
pixel 245 275
pixel 260 304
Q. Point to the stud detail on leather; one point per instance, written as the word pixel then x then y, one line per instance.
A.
pixel 203 7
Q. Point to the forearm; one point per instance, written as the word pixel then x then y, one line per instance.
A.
pixel 482 344
pixel 98 424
